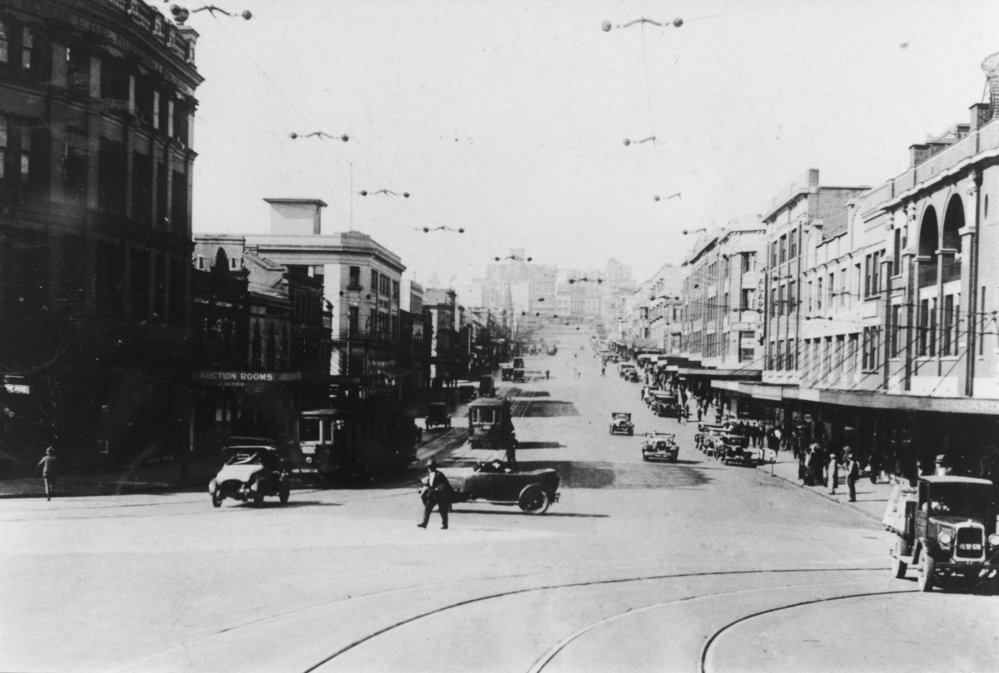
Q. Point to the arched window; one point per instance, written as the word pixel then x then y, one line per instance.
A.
pixel 953 222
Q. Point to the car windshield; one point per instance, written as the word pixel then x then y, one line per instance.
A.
pixel 244 457
pixel 961 499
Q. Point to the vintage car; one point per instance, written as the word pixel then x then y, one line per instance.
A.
pixel 946 527
pixel 734 448
pixel 252 470
pixel 663 404
pixel 494 481
pixel 621 424
pixel 437 416
pixel 660 446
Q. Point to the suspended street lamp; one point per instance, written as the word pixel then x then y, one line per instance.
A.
pixel 513 257
pixel 180 14
pixel 629 141
pixel 677 22
pixel 388 192
pixel 322 135
pixel 667 198
pixel 427 230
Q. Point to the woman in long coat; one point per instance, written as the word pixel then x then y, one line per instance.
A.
pixel 832 472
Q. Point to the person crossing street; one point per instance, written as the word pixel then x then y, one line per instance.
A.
pixel 436 492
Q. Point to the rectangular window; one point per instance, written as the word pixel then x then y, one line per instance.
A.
pixel 818 294
pixel 374 281
pixel 3 147
pixel 27 47
pixel 896 261
pixel 353 317
pixel 921 325
pixel 783 248
pixel 867 276
pixel 395 290
pixel 355 278
pixel 933 327
pixel 791 359
pixel 949 340
pixel 793 244
pixel 156 109
pixel 780 300
pixel 4 43
pixel 385 285
pixel 896 329
pixel 981 332
pixel 832 290
pixel 791 296
pixel 25 156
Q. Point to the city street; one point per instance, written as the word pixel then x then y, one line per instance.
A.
pixel 693 566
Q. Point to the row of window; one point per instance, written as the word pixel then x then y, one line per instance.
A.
pixel 109 79
pixel 25 174
pixel 380 283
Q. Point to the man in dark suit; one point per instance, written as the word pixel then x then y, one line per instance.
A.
pixel 436 491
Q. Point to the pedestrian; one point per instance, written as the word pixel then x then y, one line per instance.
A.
pixel 511 453
pixel 832 473
pixel 814 465
pixel 50 471
pixel 852 473
pixel 546 375
pixel 437 492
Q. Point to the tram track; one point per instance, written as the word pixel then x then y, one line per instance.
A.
pixel 550 655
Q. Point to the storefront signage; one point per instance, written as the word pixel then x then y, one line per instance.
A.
pixel 242 378
pixel 17 389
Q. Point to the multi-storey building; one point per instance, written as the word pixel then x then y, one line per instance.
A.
pixel 361 280
pixel 898 347
pixel 96 115
pixel 262 343
pixel 801 210
pixel 448 359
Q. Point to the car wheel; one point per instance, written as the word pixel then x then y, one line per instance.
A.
pixel 285 492
pixel 533 500
pixel 217 499
pixel 898 566
pixel 927 567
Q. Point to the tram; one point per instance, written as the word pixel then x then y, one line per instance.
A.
pixel 355 438
pixel 489 424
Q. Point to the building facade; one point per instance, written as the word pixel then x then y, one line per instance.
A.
pixel 96 124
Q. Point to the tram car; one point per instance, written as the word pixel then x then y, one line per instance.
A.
pixel 355 438
pixel 489 423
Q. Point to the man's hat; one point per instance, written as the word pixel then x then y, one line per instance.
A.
pixel 432 464
pixel 50 450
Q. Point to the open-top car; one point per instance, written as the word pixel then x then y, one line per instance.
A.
pixel 496 482
pixel 947 529
pixel 660 446
pixel 252 470
pixel 621 424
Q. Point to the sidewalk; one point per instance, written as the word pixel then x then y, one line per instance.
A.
pixel 157 478
pixel 872 499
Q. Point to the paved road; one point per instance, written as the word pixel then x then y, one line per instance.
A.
pixel 691 566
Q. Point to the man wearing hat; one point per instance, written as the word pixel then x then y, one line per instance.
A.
pixel 436 491
pixel 48 467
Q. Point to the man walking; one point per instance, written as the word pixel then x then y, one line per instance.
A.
pixel 436 491
pixel 49 472
pixel 852 473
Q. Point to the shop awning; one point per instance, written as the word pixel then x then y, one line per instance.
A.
pixel 744 374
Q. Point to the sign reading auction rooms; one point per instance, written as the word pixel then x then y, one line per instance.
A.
pixel 241 378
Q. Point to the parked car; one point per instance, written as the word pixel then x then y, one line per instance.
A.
pixel 437 416
pixel 947 529
pixel 660 446
pixel 496 482
pixel 253 470
pixel 621 424
pixel 663 404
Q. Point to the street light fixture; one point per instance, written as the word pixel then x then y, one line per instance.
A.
pixel 322 135
pixel 677 22
pixel 514 257
pixel 388 192
pixel 584 279
pixel 667 198
pixel 692 231
pixel 629 141
pixel 427 230
pixel 180 14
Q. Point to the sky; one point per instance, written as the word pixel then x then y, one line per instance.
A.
pixel 508 119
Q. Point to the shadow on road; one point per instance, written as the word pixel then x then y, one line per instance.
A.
pixel 539 445
pixel 509 511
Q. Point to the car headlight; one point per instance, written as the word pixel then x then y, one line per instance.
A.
pixel 945 538
pixel 994 540
pixel 213 486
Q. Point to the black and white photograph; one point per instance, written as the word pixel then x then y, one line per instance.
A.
pixel 499 336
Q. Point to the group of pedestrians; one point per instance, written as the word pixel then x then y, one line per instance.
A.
pixel 818 467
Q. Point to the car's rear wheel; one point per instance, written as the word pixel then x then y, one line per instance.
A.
pixel 533 500
pixel 899 566
pixel 217 498
pixel 927 568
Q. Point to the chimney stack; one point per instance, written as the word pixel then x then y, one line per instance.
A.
pixel 991 67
